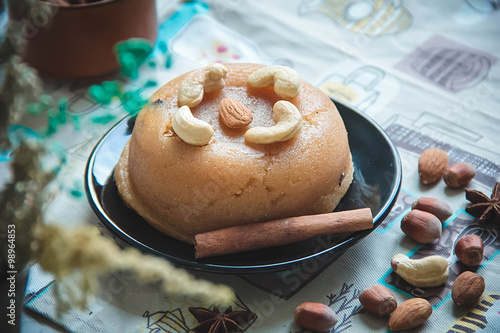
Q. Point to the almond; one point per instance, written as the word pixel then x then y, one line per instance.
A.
pixel 469 250
pixel 421 226
pixel 378 300
pixel 467 289
pixel 432 165
pixel 459 174
pixel 234 114
pixel 436 207
pixel 315 316
pixel 411 313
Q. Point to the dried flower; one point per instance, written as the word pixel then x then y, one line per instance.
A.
pixel 20 86
pixel 86 251
pixel 63 251
pixel 21 200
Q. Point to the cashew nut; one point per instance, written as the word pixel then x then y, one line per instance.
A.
pixel 285 80
pixel 196 83
pixel 191 130
pixel 288 123
pixel 430 271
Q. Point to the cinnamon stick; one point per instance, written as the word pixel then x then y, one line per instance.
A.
pixel 279 232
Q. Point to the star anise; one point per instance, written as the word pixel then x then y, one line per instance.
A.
pixel 214 321
pixel 486 209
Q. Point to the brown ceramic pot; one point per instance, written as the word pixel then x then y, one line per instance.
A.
pixel 79 40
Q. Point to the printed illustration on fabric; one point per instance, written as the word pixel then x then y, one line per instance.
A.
pixel 484 6
pixel 359 88
pixel 401 207
pixel 369 17
pixel 204 40
pixel 188 318
pixel 368 88
pixel 413 136
pixel 448 64
pixel 483 318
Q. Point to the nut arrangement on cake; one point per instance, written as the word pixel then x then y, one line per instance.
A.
pixel 234 144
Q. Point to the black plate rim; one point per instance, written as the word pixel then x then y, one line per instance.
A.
pixel 242 269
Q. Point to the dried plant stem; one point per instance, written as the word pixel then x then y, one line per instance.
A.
pixel 64 251
pixel 82 249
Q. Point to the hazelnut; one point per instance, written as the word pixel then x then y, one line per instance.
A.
pixel 378 300
pixel 467 289
pixel 459 174
pixel 437 207
pixel 421 226
pixel 315 316
pixel 469 250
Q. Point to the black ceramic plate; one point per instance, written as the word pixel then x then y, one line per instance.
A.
pixel 376 184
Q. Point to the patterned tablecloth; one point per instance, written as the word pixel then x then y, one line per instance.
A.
pixel 426 71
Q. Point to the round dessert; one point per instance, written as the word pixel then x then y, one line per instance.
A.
pixel 239 174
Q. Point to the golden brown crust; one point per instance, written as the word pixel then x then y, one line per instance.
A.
pixel 183 190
